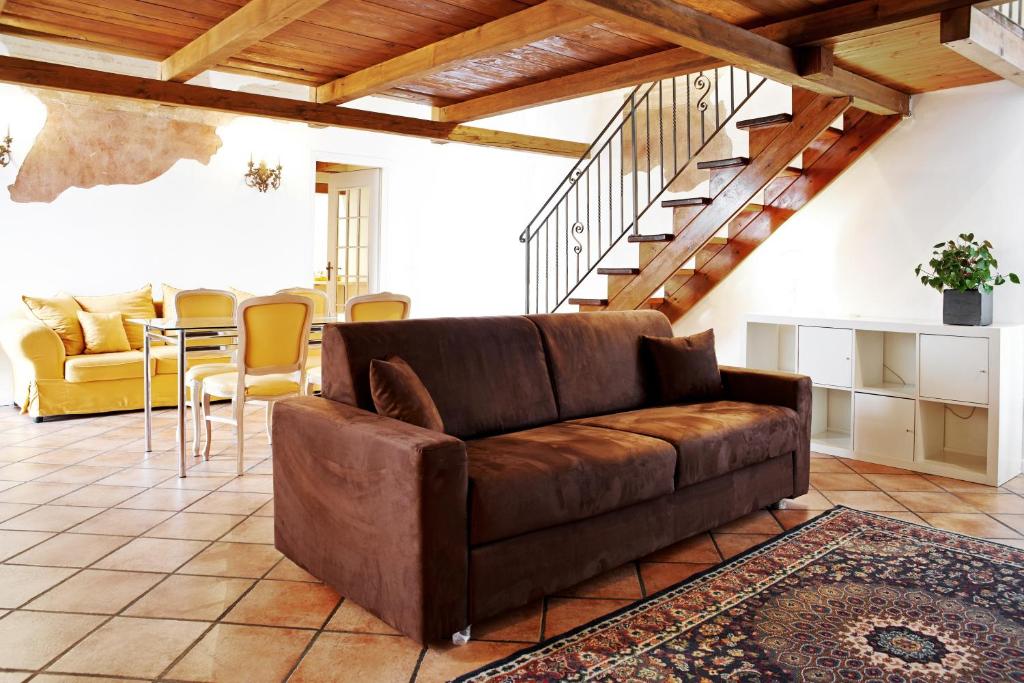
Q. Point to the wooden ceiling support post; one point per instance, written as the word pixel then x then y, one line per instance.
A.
pixel 35 74
pixel 719 39
pixel 245 27
pixel 509 32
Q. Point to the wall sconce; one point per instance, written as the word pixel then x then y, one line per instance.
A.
pixel 5 149
pixel 262 177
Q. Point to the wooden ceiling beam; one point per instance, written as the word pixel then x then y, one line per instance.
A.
pixel 2 3
pixel 246 26
pixel 509 32
pixel 987 38
pixel 719 39
pixel 821 26
pixel 37 74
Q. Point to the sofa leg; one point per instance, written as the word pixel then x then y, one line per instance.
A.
pixel 777 505
pixel 461 637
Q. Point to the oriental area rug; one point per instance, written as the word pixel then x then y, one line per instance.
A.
pixel 848 596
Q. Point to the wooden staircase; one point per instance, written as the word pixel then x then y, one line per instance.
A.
pixel 792 157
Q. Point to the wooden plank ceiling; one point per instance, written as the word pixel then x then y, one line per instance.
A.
pixel 331 39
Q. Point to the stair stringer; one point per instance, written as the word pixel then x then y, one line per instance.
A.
pixel 810 121
pixel 787 196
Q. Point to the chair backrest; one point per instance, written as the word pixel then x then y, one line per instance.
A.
pixel 273 334
pixel 318 298
pixel 377 307
pixel 204 303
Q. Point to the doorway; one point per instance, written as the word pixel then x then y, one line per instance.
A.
pixel 347 247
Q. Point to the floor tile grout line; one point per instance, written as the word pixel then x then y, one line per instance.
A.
pixel 314 639
pixel 195 642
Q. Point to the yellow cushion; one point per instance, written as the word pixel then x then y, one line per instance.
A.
pixel 200 373
pixel 167 358
pixel 137 304
pixel 371 311
pixel 224 386
pixel 104 332
pixel 60 314
pixel 168 292
pixel 102 366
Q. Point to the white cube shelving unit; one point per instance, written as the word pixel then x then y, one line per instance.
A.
pixel 933 398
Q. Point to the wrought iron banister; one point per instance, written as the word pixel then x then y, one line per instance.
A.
pixel 593 208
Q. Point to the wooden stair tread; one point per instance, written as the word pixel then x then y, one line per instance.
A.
pixel 765 121
pixel 685 272
pixel 717 241
pixel 723 163
pixel 651 238
pixel 790 172
pixel 752 207
pixel 831 132
pixel 618 271
pixel 652 301
pixel 688 201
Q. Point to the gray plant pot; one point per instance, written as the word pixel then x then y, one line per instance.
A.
pixel 966 308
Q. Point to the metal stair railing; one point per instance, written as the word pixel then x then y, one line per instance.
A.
pixel 603 197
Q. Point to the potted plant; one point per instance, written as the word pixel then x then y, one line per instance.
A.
pixel 964 271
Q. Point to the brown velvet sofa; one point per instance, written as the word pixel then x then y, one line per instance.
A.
pixel 556 465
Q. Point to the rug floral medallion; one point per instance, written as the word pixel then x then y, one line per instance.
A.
pixel 848 596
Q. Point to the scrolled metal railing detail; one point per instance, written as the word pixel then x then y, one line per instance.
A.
pixel 590 211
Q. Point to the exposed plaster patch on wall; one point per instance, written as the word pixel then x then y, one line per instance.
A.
pixel 88 141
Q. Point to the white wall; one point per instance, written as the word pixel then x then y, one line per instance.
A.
pixel 956 166
pixel 450 220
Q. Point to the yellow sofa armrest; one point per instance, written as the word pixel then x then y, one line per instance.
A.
pixel 32 347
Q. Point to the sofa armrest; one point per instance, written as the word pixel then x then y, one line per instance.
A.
pixel 377 509
pixel 781 389
pixel 33 348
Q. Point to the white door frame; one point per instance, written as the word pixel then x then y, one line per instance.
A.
pixel 337 182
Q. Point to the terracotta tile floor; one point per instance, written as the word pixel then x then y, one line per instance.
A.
pixel 113 568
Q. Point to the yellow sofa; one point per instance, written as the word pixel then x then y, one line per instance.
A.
pixel 48 382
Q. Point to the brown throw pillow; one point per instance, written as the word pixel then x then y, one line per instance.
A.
pixel 686 369
pixel 398 392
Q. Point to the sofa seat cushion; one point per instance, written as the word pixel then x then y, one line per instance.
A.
pixel 712 438
pixel 542 477
pixel 102 366
pixel 167 358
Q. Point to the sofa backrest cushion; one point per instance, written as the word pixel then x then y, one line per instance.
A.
pixel 596 362
pixel 486 375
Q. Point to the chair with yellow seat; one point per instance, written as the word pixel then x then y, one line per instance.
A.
pixel 273 339
pixel 320 306
pixel 367 308
pixel 374 307
pixel 203 303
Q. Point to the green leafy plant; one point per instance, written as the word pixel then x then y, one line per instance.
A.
pixel 965 265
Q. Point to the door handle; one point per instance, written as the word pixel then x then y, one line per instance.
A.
pixel 330 267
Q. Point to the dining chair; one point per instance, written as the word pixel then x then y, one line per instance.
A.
pixel 373 307
pixel 202 303
pixel 320 306
pixel 273 339
pixel 366 308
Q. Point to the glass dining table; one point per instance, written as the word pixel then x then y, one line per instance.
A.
pixel 190 334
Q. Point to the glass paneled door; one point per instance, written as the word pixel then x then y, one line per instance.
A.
pixel 353 226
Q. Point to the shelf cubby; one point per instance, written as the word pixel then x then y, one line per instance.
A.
pixel 831 418
pixel 953 435
pixel 771 347
pixel 886 362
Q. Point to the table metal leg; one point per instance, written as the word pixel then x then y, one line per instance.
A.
pixel 182 347
pixel 147 393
